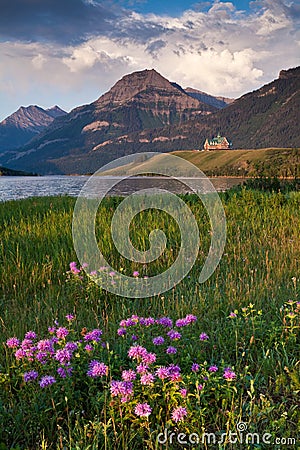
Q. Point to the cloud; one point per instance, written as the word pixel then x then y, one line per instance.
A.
pixel 222 51
pixel 65 22
pixel 155 46
pixel 38 61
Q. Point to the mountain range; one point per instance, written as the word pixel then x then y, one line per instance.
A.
pixel 27 122
pixel 145 112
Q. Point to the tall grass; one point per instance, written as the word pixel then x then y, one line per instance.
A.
pixel 260 259
pixel 260 266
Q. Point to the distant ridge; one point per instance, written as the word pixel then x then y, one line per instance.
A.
pixel 55 112
pixel 4 172
pixel 21 126
pixel 217 102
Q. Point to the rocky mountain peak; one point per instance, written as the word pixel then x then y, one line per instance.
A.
pixel 55 111
pixel 32 117
pixel 290 73
pixel 29 117
pixel 25 123
pixel 135 83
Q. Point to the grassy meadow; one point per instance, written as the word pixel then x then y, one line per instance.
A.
pixel 238 362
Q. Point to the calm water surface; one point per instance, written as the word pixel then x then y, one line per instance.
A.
pixel 14 188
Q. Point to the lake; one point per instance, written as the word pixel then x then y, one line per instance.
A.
pixel 14 188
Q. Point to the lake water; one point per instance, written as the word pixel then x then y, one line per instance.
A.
pixel 14 188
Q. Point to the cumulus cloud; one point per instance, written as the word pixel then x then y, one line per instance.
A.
pixel 220 49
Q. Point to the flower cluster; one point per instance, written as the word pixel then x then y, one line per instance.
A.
pixel 229 374
pixel 53 358
pixel 97 369
pixel 103 273
pixel 150 365
pixel 122 389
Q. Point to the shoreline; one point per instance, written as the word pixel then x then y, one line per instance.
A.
pixel 240 177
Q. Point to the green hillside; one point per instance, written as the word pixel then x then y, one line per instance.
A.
pixel 268 162
pixel 280 162
pixel 9 172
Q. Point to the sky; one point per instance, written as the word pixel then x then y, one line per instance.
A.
pixel 69 52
